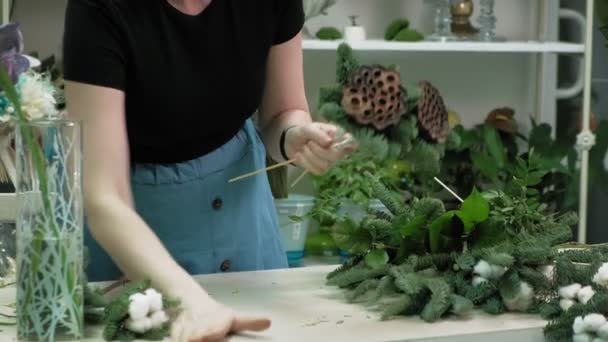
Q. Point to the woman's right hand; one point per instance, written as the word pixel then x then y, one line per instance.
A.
pixel 202 319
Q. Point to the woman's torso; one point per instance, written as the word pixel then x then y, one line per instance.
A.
pixel 190 80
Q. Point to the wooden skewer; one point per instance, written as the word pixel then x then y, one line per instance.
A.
pixel 276 166
pixel 300 177
pixel 449 190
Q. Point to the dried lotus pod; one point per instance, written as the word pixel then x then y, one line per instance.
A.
pixel 374 96
pixel 432 113
pixel 503 120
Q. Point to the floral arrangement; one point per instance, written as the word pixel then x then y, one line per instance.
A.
pixel 34 90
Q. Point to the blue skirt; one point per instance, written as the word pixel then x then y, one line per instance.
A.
pixel 207 224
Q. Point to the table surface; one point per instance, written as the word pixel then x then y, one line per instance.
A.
pixel 302 308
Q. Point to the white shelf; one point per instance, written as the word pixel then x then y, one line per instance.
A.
pixel 8 207
pixel 477 47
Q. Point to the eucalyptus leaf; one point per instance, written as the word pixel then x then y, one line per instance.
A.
pixel 376 258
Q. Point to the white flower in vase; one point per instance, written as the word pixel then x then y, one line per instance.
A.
pixel 37 96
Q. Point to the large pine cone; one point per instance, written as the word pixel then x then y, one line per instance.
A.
pixel 432 113
pixel 374 96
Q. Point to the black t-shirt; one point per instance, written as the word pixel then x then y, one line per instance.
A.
pixel 190 81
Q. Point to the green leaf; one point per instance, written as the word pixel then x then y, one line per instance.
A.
pixel 474 210
pixel 411 226
pixel 349 237
pixel 495 146
pixel 376 258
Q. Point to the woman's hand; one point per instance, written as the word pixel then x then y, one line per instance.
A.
pixel 202 319
pixel 311 146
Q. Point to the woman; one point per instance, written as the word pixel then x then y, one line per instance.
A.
pixel 165 90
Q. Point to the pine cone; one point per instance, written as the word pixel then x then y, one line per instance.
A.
pixel 432 113
pixel 374 95
pixel 503 120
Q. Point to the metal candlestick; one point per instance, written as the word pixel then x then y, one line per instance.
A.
pixel 462 10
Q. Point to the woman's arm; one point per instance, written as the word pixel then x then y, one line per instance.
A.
pixel 107 192
pixel 284 106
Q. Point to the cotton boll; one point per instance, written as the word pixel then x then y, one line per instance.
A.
pixel 593 322
pixel 483 269
pixel 140 325
pixel 601 277
pixel 566 304
pixel 479 280
pixel 498 271
pixel 156 300
pixel 570 291
pixel 585 294
pixel 139 306
pixel 582 338
pixel 158 319
pixel 603 331
pixel 579 325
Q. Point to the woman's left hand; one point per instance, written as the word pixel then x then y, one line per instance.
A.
pixel 311 146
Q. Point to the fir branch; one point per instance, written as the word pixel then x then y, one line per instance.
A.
pixel 460 305
pixel 156 334
pixel 481 293
pixel 494 306
pixel 361 289
pixel 535 278
pixel 330 95
pixel 356 275
pixel 386 286
pixel 410 283
pixel 459 283
pixel 380 214
pixel 385 196
pixel 346 63
pixel 499 259
pixel 350 263
pixel 440 300
pixel 397 307
pixel 509 285
pixel 465 262
pixel 550 310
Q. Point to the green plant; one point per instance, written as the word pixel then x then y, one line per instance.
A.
pixel 395 27
pixel 329 33
pixel 408 35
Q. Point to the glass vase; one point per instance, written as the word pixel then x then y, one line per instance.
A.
pixel 50 293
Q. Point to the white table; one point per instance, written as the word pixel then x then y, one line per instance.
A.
pixel 304 309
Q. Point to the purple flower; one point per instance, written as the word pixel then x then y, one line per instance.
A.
pixel 11 47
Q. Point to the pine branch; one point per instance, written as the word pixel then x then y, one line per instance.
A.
pixel 509 285
pixel 550 310
pixel 330 95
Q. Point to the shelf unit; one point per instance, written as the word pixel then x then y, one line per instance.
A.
pixel 377 45
pixel 546 52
